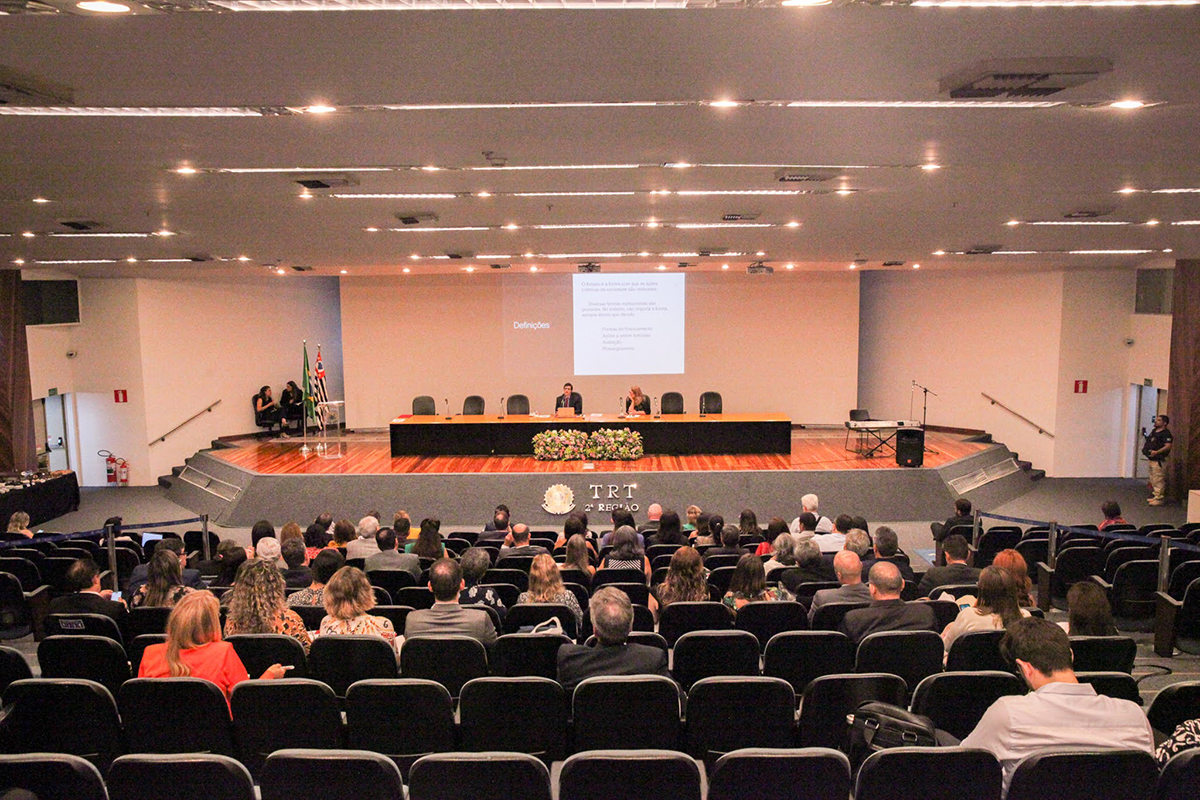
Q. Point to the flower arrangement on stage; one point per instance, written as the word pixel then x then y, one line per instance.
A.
pixel 560 445
pixel 605 444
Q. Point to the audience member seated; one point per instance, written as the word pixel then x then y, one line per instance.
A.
pixel 546 586
pixel 429 540
pixel 1088 611
pixel 860 522
pixel 475 563
pixel 1112 515
pixel 693 518
pixel 626 552
pixel 257 604
pixel 1059 714
pixel 855 539
pixel 956 570
pixel 222 569
pixel 402 525
pixel 363 546
pixel 686 580
pixel 499 521
pixel 88 598
pixel 297 574
pixel 1013 563
pixel 809 503
pixel 520 543
pixel 344 532
pixel 749 584
pixel 748 523
pixel 578 556
pixel 261 530
pixel 324 566
pixel 268 550
pixel 189 577
pixel 836 539
pixel 164 582
pixel 729 540
pixel 389 557
pixel 267 412
pixel 887 546
pixel 782 555
pixel 995 607
pixel 962 516
pixel 347 599
pixel 669 531
pixel 887 611
pixel 653 516
pixel 612 620
pixel 290 530
pixel 847 567
pixel 622 517
pixel 810 567
pixel 1185 737
pixel 194 648
pixel 315 540
pixel 448 617
pixel 703 535
pixel 774 528
pixel 18 526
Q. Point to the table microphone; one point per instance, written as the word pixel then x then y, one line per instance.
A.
pixel 657 408
pixel 702 406
pixel 620 408
pixel 501 414
pixel 447 401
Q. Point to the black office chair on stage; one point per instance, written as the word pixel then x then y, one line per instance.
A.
pixel 424 406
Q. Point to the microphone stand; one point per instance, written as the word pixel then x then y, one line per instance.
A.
pixel 447 402
pixel 657 408
pixel 501 414
pixel 620 408
pixel 924 408
pixel 702 406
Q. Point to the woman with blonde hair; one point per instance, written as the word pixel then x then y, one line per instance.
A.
pixel 194 648
pixel 164 582
pixel 636 402
pixel 347 598
pixel 577 555
pixel 18 526
pixel 258 604
pixel 686 580
pixel 546 586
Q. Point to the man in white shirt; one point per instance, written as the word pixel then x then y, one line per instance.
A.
pixel 1059 714
pixel 809 503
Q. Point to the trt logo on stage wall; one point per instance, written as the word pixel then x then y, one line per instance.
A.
pixel 560 498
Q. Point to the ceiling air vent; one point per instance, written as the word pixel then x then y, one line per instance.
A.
pixel 748 216
pixel 500 266
pixel 893 263
pixel 759 268
pixel 982 249
pixel 416 217
pixel 326 181
pixel 1022 77
pixel 302 268
pixel 459 256
pixel 798 175
pixel 589 266
pixel 82 225
pixel 1090 213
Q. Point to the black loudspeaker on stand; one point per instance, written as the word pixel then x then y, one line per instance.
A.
pixel 910 447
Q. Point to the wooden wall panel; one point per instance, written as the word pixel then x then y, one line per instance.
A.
pixel 1183 396
pixel 17 449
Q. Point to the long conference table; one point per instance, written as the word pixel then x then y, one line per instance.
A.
pixel 670 434
pixel 43 500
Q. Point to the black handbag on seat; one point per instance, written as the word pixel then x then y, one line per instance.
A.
pixel 876 726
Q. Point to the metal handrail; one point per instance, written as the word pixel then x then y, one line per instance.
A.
pixel 1018 415
pixel 163 438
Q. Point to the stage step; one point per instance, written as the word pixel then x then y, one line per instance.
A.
pixel 981 438
pixel 1027 468
pixel 167 481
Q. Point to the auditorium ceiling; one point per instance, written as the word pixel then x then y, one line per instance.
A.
pixel 847 136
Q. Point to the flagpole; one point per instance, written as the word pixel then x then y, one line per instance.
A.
pixel 305 449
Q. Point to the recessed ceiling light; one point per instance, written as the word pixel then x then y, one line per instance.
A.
pixel 512 226
pixel 533 269
pixel 1013 222
pixel 1128 190
pixel 280 271
pixel 789 266
pixel 724 266
pixel 643 253
pixel 164 232
pixel 186 170
pixel 653 224
pixel 29 234
pixel 662 266
pixel 371 230
pixel 853 265
pixel 131 260
pixel 761 253
pixel 40 200
pixel 916 266
pixel 930 167
pixel 1151 222
pixel 243 258
pixel 527 255
pixel 320 109
pixel 793 224
pixel 343 272
pixel 483 194
pixel 406 269
pixel 1168 250
pixel 306 196
pixel 939 252
pixel 18 261
pixel 103 7
pixel 724 104
pixel 677 165
pixel 844 192
pixel 469 269
pixel 1128 104
pixel 431 169
pixel 802 3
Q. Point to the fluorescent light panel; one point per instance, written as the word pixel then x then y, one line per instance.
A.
pixel 1050 3
pixel 131 111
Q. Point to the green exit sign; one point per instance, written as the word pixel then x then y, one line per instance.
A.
pixel 51 392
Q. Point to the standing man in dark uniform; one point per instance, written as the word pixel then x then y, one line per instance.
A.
pixel 570 399
pixel 1157 448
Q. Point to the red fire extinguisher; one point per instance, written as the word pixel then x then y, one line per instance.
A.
pixel 110 465
pixel 122 472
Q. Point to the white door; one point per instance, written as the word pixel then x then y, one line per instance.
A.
pixel 56 432
pixel 1148 400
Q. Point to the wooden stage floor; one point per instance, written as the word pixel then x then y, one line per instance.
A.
pixel 369 453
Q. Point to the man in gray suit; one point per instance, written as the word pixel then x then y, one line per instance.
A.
pixel 447 617
pixel 887 611
pixel 389 557
pixel 848 567
pixel 521 545
pixel 612 620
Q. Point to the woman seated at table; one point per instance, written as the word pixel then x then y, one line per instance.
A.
pixel 257 604
pixel 347 598
pixel 18 526
pixel 546 586
pixel 194 648
pixel 636 402
pixel 749 584
pixel 164 582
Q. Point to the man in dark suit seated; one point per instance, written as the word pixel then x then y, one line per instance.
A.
pixel 848 568
pixel 612 620
pixel 569 399
pixel 191 577
pixel 887 611
pixel 887 546
pixel 962 516
pixel 447 617
pixel 956 569
pixel 88 598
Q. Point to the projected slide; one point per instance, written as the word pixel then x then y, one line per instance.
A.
pixel 628 324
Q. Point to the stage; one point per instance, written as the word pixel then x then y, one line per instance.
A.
pixel 250 478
